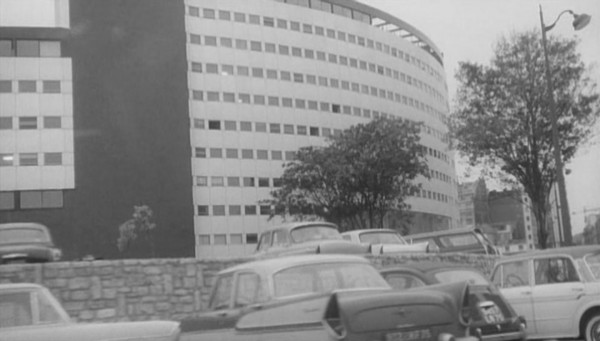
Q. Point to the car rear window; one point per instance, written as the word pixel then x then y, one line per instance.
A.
pixel 325 277
pixel 451 276
pixel 314 232
pixel 23 235
pixel 464 239
pixel 381 238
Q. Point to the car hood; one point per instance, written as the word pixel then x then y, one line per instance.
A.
pixel 118 331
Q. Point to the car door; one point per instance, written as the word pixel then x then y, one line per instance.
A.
pixel 222 314
pixel 557 294
pixel 514 281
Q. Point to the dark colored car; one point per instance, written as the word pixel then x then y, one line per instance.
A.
pixel 469 240
pixel 492 317
pixel 27 243
pixel 306 238
pixel 325 297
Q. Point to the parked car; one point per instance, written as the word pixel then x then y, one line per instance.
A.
pixel 385 241
pixel 557 290
pixel 492 317
pixel 469 240
pixel 27 243
pixel 29 312
pixel 324 297
pixel 305 238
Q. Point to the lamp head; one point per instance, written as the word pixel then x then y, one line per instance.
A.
pixel 580 21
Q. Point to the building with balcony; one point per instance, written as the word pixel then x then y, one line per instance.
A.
pixel 192 107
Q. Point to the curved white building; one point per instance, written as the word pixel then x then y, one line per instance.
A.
pixel 267 77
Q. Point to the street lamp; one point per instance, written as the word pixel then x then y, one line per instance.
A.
pixel 579 22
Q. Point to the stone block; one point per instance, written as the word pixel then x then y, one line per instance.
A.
pixel 79 283
pixel 106 313
pixel 153 270
pixel 80 295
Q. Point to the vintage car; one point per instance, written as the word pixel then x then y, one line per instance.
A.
pixel 29 312
pixel 325 297
pixel 492 317
pixel 468 240
pixel 385 241
pixel 27 243
pixel 557 290
pixel 305 238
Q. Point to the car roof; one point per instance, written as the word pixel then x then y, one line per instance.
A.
pixel 293 225
pixel 275 264
pixel 573 251
pixel 22 225
pixel 443 232
pixel 19 286
pixel 368 230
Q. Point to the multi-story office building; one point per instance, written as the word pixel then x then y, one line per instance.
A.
pixel 36 106
pixel 192 107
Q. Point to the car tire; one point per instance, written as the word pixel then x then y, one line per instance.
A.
pixel 592 328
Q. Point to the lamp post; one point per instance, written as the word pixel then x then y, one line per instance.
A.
pixel 579 22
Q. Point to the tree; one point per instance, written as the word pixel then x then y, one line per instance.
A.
pixel 502 116
pixel 141 224
pixel 357 178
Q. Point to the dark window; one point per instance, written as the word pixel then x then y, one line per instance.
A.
pixel 52 87
pixel 202 209
pixel 214 125
pixel 5 86
pixel 28 48
pixel 27 122
pixel 52 122
pixel 27 86
pixel 52 159
pixel 251 238
pixel 250 210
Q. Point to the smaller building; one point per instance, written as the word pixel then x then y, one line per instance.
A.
pixel 473 203
pixel 591 231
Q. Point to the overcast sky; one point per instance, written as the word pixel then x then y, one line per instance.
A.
pixel 466 30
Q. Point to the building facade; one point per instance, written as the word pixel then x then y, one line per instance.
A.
pixel 192 107
pixel 511 209
pixel 473 203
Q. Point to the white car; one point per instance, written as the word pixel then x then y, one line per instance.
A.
pixel 385 241
pixel 556 290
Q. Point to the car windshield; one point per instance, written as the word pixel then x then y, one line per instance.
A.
pixel 451 276
pixel 381 237
pixel 314 232
pixel 593 263
pixel 325 277
pixel 463 239
pixel 23 235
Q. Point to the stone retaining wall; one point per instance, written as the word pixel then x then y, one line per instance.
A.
pixel 151 289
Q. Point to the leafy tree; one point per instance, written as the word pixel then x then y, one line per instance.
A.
pixel 502 115
pixel 361 174
pixel 141 224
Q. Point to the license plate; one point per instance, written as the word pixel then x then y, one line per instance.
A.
pixel 410 335
pixel 491 312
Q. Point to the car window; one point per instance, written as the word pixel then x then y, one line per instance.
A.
pixel 314 232
pixel 593 263
pixel 280 237
pixel 15 309
pixel 20 235
pixel 48 313
pixel 248 290
pixel 381 238
pixel 511 274
pixel 403 281
pixel 554 270
pixel 324 277
pixel 451 276
pixel 464 239
pixel 221 296
pixel 265 241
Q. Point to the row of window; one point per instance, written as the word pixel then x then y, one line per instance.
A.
pixel 290 155
pixel 208 13
pixel 29 48
pixel 31 200
pixel 234 181
pixel 261 127
pixel 31 122
pixel 286 50
pixel 222 239
pixel 299 103
pixel 31 159
pixel 30 86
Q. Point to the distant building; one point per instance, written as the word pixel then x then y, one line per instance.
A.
pixel 511 209
pixel 591 231
pixel 473 203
